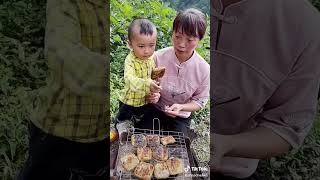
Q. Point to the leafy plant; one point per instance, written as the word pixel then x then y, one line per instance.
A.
pixel 203 5
pixel 22 70
pixel 303 163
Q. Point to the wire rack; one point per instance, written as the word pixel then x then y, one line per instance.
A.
pixel 178 150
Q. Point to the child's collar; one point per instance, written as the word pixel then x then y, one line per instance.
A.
pixel 138 59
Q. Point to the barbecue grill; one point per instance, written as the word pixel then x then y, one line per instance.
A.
pixel 180 149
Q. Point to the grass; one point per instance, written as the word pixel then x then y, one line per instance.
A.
pixel 303 163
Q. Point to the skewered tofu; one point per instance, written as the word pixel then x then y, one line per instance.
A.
pixel 158 72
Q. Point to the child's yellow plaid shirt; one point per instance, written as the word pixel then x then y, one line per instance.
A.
pixel 137 77
pixel 73 104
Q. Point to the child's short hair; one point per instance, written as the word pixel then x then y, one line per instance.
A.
pixel 191 22
pixel 145 25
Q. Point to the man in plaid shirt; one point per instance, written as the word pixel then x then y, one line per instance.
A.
pixel 69 125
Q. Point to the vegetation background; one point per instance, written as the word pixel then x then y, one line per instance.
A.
pixel 23 70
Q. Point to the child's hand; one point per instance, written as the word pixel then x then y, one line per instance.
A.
pixel 153 98
pixel 155 87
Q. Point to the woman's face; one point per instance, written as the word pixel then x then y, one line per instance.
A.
pixel 184 45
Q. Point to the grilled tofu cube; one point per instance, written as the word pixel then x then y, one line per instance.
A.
pixel 161 171
pixel 160 153
pixel 168 140
pixel 138 140
pixel 175 166
pixel 144 171
pixel 129 161
pixel 144 153
pixel 153 140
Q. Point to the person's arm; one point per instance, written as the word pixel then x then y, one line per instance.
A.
pixel 272 144
pixel 286 118
pixel 82 70
pixel 259 143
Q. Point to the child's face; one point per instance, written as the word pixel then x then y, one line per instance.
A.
pixel 184 45
pixel 143 46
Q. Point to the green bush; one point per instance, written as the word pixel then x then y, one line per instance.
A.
pixel 203 5
pixel 22 70
pixel 316 3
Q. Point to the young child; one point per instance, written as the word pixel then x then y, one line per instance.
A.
pixel 139 63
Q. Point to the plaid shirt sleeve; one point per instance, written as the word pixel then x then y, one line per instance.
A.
pixel 82 68
pixel 73 103
pixel 133 82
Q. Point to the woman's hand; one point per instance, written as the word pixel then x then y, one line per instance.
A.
pixel 173 110
pixel 153 98
pixel 221 146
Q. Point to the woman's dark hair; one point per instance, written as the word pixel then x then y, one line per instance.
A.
pixel 191 22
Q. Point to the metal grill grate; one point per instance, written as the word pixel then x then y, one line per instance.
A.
pixel 178 150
